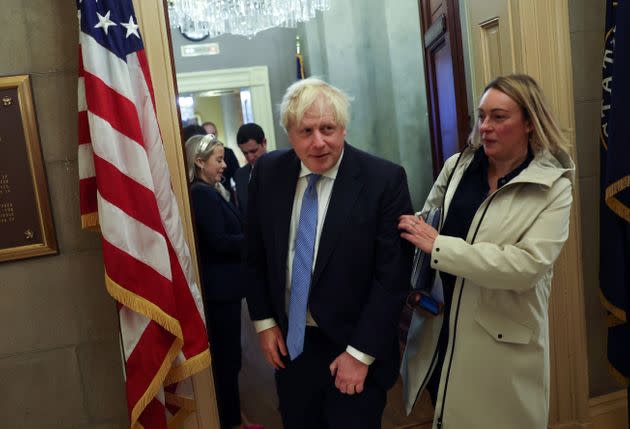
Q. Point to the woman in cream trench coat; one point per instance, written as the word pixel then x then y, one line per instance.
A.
pixel 495 371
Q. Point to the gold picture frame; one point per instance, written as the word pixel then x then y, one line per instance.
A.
pixel 26 225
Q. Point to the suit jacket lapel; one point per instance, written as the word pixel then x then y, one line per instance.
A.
pixel 283 195
pixel 346 189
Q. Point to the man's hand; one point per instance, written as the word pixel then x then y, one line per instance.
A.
pixel 349 373
pixel 271 342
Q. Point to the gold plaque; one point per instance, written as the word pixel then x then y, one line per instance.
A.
pixel 26 226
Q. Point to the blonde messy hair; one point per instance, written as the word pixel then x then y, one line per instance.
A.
pixel 305 93
pixel 526 93
pixel 199 147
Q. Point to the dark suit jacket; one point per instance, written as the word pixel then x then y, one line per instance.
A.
pixel 220 241
pixel 231 165
pixel 241 177
pixel 362 269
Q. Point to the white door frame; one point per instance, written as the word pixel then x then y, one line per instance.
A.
pixel 255 78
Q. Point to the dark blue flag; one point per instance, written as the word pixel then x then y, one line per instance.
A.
pixel 614 273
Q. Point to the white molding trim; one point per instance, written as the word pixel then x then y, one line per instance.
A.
pixel 256 78
pixel 543 37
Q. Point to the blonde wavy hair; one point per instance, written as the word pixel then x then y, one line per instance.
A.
pixel 199 147
pixel 306 93
pixel 526 93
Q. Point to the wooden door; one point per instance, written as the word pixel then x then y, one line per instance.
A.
pixel 494 50
pixel 445 78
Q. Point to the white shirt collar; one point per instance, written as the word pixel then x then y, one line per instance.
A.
pixel 331 174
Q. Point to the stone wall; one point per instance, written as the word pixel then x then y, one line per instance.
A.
pixel 60 364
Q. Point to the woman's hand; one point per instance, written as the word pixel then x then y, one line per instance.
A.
pixel 415 230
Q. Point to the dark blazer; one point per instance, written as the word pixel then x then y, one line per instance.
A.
pixel 241 177
pixel 220 241
pixel 231 165
pixel 362 269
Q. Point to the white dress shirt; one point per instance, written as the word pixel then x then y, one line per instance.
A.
pixel 324 190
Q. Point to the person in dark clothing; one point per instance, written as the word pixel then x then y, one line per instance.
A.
pixel 252 142
pixel 327 271
pixel 220 241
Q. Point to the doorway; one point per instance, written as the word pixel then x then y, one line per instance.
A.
pixel 229 98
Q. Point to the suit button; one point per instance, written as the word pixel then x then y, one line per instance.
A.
pixel 437 249
pixel 500 336
pixel 435 261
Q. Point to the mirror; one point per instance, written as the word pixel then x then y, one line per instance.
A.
pixel 369 48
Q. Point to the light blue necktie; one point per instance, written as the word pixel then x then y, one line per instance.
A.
pixel 302 268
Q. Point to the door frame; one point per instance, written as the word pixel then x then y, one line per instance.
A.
pixel 256 78
pixel 154 27
pixel 452 30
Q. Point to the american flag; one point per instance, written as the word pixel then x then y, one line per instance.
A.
pixel 126 191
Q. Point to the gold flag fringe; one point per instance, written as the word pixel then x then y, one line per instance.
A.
pixel 156 384
pixel 143 306
pixel 192 366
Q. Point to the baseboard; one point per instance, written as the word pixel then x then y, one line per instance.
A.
pixel 609 411
pixel 572 425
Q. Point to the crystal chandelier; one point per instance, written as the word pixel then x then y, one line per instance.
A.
pixel 241 17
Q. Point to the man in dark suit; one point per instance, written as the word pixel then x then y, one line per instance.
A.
pixel 252 142
pixel 328 272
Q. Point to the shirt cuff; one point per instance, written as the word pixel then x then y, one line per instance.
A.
pixel 360 356
pixel 264 324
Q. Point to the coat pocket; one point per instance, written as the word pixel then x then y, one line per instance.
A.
pixel 501 328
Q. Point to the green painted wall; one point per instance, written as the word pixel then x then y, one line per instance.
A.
pixel 209 109
pixel 372 50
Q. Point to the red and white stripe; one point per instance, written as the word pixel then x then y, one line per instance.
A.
pixel 124 180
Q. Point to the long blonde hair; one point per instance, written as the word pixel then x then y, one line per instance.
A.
pixel 526 93
pixel 199 147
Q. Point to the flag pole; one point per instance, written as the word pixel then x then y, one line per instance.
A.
pixel 299 59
